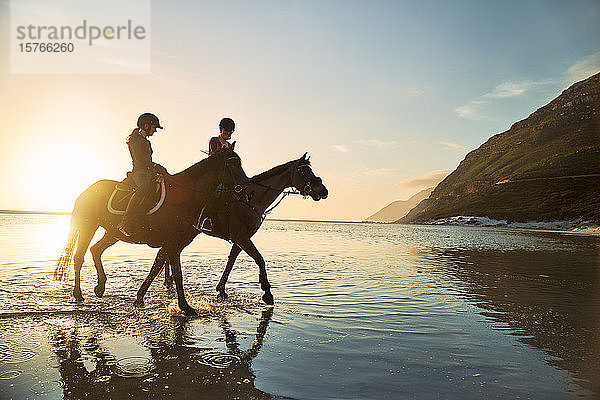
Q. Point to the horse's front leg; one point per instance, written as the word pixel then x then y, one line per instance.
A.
pixel 252 251
pixel 174 253
pixel 160 261
pixel 97 249
pixel 235 251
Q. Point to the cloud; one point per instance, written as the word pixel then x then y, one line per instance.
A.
pixel 341 148
pixel 471 110
pixel 508 89
pixel 584 68
pixel 453 146
pixel 430 179
pixel 377 143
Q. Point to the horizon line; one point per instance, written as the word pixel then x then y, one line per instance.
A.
pixel 39 212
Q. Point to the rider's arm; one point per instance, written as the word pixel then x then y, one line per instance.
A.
pixel 213 145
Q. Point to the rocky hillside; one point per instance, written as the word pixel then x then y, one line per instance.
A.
pixel 545 167
pixel 399 208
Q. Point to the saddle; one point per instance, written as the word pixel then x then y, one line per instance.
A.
pixel 117 203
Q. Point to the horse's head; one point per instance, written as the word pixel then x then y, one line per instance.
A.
pixel 307 183
pixel 232 173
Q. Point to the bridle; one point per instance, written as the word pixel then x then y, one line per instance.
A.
pixel 296 170
pixel 237 187
pixel 307 189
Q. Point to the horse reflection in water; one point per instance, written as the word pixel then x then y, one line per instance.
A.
pixel 174 370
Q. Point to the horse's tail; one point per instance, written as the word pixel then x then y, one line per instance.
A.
pixel 61 273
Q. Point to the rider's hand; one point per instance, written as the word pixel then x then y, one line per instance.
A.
pixel 160 169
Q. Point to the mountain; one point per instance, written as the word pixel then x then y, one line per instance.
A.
pixel 545 167
pixel 399 208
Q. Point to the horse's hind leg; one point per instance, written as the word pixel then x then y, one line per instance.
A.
pixel 235 251
pixel 85 237
pixel 168 275
pixel 97 249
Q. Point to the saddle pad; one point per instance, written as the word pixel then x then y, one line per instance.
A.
pixel 122 193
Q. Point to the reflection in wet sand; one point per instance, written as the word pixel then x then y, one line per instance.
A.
pixel 542 297
pixel 163 357
pixel 173 369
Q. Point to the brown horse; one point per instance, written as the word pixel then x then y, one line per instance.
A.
pixel 243 216
pixel 171 227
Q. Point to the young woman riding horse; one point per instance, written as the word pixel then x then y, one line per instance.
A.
pixel 244 216
pixel 171 227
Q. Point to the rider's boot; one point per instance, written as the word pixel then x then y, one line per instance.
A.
pixel 130 225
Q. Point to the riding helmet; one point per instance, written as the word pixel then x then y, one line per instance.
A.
pixel 227 124
pixel 148 118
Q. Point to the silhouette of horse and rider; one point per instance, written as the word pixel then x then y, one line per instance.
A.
pixel 152 207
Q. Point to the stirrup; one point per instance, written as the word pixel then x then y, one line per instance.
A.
pixel 206 225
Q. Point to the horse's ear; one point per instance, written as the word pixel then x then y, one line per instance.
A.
pixel 304 156
pixel 232 145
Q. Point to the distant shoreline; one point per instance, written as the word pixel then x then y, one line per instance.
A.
pixel 35 212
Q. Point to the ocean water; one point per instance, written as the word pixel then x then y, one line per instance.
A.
pixel 362 311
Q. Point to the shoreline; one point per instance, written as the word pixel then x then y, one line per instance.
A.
pixel 578 226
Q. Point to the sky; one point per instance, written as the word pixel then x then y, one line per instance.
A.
pixel 387 97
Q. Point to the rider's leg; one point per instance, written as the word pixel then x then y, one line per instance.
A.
pixel 135 209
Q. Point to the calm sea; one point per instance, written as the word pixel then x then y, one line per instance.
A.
pixel 362 311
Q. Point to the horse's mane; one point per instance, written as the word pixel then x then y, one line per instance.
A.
pixel 277 170
pixel 200 164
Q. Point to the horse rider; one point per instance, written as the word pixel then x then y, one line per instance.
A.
pixel 226 128
pixel 216 143
pixel 143 173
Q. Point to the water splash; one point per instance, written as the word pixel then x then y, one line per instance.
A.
pixel 43 388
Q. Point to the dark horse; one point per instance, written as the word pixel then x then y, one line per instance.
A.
pixel 171 227
pixel 243 216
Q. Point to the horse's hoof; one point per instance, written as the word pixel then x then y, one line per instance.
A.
pixel 78 297
pixel 139 303
pixel 268 299
pixel 190 312
pixel 222 295
pixel 99 290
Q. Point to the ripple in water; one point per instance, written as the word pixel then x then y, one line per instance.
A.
pixel 133 367
pixel 15 354
pixel 218 360
pixel 10 374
